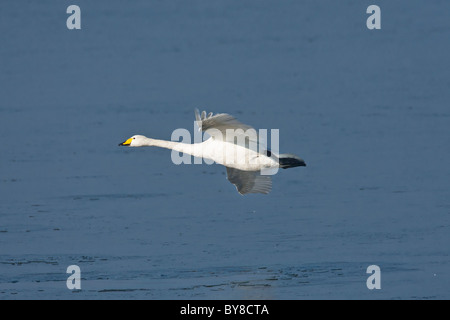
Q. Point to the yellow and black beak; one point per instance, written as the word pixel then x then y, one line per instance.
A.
pixel 126 143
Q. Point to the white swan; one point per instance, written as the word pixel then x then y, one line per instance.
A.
pixel 247 165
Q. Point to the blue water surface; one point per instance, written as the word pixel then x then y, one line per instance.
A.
pixel 367 109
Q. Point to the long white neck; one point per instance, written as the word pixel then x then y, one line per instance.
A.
pixel 192 149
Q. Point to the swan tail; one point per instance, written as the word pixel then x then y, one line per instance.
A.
pixel 290 161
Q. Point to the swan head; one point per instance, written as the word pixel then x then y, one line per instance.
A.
pixel 135 141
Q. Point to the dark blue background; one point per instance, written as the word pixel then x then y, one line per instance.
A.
pixel 367 110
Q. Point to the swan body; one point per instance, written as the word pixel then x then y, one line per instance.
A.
pixel 248 168
pixel 221 152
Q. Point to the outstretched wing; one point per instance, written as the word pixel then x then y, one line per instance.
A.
pixel 220 122
pixel 249 181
